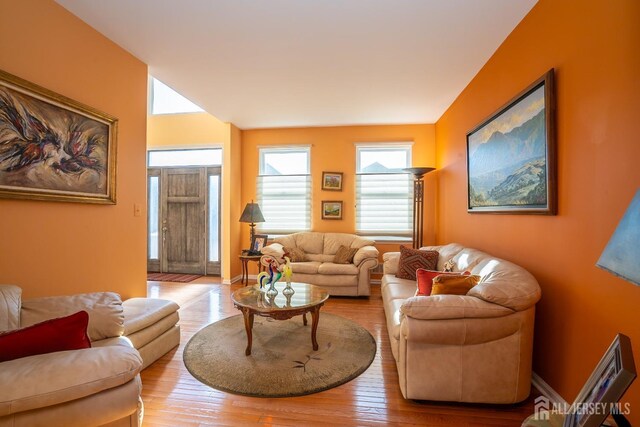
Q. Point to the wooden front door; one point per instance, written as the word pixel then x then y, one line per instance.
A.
pixel 183 221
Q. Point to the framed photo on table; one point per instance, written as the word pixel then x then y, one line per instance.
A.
pixel 332 181
pixel 257 243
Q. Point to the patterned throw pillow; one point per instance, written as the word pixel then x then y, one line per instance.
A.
pixel 413 259
pixel 295 254
pixel 344 255
pixel 453 284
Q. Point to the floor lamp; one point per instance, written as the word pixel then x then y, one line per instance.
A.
pixel 418 203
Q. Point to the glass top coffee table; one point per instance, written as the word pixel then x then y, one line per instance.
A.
pixel 306 299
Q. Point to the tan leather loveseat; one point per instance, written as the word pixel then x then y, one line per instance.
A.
pixel 471 348
pixel 88 387
pixel 319 269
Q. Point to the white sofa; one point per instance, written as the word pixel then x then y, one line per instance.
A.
pixel 319 269
pixel 89 387
pixel 471 348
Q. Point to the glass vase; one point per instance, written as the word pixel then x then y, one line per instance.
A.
pixel 288 290
pixel 272 291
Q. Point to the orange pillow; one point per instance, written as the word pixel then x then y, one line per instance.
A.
pixel 453 284
pixel 425 279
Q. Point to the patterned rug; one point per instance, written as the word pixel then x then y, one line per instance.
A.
pixel 282 361
pixel 172 277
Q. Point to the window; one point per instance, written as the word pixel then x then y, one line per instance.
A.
pixel 284 190
pixel 384 192
pixel 165 100
pixel 195 157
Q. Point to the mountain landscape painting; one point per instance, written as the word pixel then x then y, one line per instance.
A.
pixel 508 158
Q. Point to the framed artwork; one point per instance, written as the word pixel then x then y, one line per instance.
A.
pixel 511 156
pixel 332 181
pixel 605 387
pixel 331 209
pixel 258 242
pixel 54 148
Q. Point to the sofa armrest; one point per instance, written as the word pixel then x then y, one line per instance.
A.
pixel 50 379
pixel 438 307
pixel 364 253
pixel 276 250
pixel 391 261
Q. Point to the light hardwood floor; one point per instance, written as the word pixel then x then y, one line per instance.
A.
pixel 172 397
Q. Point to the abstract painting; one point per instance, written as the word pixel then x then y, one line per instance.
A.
pixel 511 165
pixel 52 147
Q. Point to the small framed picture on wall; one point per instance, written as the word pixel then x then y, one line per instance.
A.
pixel 332 181
pixel 331 209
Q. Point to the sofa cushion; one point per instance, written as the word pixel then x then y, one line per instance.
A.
pixel 344 255
pixel 333 242
pixel 295 254
pixel 451 307
pixel 320 257
pixel 309 242
pixel 447 252
pixel 453 284
pixel 308 267
pixel 413 259
pixel 10 298
pixel 65 333
pixel 106 316
pixel 49 379
pixel 331 268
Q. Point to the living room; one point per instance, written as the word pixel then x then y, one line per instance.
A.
pixel 52 248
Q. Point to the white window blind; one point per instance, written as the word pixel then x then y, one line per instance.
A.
pixel 384 192
pixel 284 190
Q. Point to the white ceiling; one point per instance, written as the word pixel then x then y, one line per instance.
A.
pixel 280 63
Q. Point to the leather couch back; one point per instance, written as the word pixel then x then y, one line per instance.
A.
pixel 10 300
pixel 315 243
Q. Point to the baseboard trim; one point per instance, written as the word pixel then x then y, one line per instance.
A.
pixel 232 281
pixel 546 390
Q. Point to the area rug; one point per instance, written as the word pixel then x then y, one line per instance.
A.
pixel 282 361
pixel 172 277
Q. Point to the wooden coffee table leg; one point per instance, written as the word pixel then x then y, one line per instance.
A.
pixel 304 319
pixel 315 317
pixel 248 326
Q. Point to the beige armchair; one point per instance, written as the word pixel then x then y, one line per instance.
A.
pixel 471 348
pixel 88 387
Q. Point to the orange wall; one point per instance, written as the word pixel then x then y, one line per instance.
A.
pixel 52 248
pixel 594 47
pixel 333 149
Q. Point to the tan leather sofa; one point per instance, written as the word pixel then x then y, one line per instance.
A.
pixel 90 387
pixel 471 348
pixel 318 269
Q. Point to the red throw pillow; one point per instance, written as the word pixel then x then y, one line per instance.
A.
pixel 425 279
pixel 413 259
pixel 64 333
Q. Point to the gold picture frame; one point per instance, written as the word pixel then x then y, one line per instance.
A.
pixel 332 181
pixel 331 209
pixel 53 148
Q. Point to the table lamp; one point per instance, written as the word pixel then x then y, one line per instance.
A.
pixel 251 215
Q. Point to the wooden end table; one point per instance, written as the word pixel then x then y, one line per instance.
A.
pixel 307 298
pixel 245 266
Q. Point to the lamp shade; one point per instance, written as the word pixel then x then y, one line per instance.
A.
pixel 418 172
pixel 621 257
pixel 251 213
